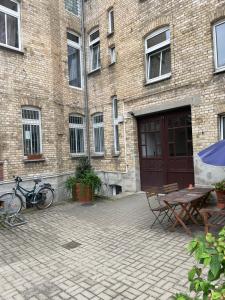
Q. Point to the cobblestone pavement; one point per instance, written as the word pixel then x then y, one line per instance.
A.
pixel 120 257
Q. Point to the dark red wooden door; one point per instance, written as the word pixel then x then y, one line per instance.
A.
pixel 165 147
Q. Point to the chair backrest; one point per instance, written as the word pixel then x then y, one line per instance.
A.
pixel 152 197
pixel 169 188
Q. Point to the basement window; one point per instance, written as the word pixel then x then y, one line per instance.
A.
pixel 10 24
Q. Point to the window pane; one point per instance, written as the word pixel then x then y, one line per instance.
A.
pixel 9 4
pixel 94 35
pixel 98 119
pixel 154 65
pixel 95 56
pixel 115 108
pixel 153 144
pixel 73 6
pixel 35 139
pixel 74 66
pixel 27 139
pixel 12 31
pixel 111 19
pixel 158 39
pixel 116 138
pixel 99 139
pixel 30 114
pixel 76 120
pixel 73 37
pixel 220 39
pixel 72 140
pixel 80 141
pixel 180 142
pixel 166 62
pixel 2 28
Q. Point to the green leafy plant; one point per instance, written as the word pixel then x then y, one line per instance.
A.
pixel 220 186
pixel 207 277
pixel 84 175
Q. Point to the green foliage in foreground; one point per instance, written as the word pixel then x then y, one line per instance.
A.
pixel 209 253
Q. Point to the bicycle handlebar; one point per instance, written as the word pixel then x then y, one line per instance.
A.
pixel 17 179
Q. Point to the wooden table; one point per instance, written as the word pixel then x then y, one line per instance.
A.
pixel 190 202
pixel 213 211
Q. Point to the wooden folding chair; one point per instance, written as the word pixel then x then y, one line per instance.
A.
pixel 158 208
pixel 169 188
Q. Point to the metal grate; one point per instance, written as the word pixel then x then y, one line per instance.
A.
pixel 71 245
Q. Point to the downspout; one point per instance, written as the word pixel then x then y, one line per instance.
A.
pixel 86 107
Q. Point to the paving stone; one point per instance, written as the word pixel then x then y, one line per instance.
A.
pixel 119 256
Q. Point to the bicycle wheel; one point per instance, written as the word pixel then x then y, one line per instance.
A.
pixel 12 203
pixel 44 198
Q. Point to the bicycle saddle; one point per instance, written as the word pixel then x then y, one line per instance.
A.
pixel 37 180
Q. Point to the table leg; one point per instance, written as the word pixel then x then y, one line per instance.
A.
pixel 188 212
pixel 205 218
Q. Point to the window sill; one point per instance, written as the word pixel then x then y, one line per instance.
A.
pixel 34 160
pixel 158 79
pixel 96 156
pixel 218 71
pixel 112 64
pixel 6 48
pixel 97 71
pixel 110 34
pixel 77 156
pixel 115 155
pixel 76 88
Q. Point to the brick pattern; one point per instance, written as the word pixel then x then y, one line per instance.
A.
pixel 120 257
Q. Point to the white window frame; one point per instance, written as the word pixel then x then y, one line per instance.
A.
pixel 79 9
pixel 115 124
pixel 98 125
pixel 78 126
pixel 217 69
pixel 112 53
pixel 79 47
pixel 153 50
pixel 15 14
pixel 91 45
pixel 32 122
pixel 222 124
pixel 111 21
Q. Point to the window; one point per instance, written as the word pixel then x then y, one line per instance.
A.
pixel 158 56
pixel 31 120
pixel 222 127
pixel 95 50
pixel 10 24
pixel 112 53
pixel 74 60
pixel 77 128
pixel 115 125
pixel 98 127
pixel 219 45
pixel 111 21
pixel 73 6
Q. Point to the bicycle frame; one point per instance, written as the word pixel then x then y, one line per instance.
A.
pixel 24 191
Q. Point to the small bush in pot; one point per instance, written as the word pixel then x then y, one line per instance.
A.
pixel 85 182
pixel 220 193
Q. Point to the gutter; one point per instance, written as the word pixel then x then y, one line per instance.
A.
pixel 86 106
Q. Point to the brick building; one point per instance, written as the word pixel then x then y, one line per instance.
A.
pixel 137 85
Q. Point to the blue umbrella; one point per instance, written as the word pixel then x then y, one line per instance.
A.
pixel 214 155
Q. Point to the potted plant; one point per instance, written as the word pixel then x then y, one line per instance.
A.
pixel 220 193
pixel 85 182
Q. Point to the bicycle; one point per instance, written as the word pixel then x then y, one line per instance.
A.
pixel 41 196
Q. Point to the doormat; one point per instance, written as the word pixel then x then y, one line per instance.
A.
pixel 71 245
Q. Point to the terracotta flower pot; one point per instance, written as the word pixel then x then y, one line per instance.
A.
pixel 82 193
pixel 220 199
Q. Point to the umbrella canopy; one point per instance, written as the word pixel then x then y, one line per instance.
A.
pixel 214 155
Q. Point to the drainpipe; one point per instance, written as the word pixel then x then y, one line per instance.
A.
pixel 86 107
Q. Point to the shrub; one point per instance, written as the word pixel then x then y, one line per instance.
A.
pixel 209 253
